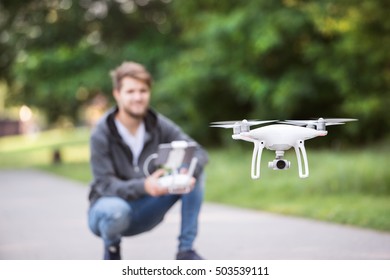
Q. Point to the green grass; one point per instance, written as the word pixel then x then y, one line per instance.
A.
pixel 348 187
pixel 37 149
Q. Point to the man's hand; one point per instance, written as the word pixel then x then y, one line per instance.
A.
pixel 153 188
pixel 192 180
pixel 151 184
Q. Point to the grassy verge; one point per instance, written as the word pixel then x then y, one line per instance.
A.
pixel 348 187
pixel 37 149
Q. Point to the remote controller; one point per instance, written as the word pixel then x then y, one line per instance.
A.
pixel 179 183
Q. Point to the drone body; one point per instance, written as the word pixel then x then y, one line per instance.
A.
pixel 279 138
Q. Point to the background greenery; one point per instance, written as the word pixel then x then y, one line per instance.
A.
pixel 212 60
pixel 216 60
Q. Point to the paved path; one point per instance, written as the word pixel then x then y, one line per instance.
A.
pixel 43 216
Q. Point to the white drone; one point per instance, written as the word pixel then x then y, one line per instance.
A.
pixel 279 138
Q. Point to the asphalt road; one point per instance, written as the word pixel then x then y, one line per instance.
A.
pixel 43 217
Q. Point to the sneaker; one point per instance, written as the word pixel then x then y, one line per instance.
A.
pixel 112 252
pixel 188 255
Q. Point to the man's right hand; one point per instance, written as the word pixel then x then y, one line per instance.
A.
pixel 152 186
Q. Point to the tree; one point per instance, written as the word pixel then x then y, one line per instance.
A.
pixel 283 59
pixel 61 51
pixel 211 60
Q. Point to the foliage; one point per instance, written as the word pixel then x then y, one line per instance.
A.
pixel 211 60
pixel 65 49
pixel 284 59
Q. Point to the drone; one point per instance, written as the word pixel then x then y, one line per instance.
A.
pixel 279 137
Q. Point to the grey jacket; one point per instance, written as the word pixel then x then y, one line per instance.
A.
pixel 111 159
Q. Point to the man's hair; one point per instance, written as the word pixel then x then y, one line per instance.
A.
pixel 130 69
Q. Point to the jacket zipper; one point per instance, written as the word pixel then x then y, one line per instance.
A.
pixel 130 156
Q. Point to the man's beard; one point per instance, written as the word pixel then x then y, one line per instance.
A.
pixel 138 116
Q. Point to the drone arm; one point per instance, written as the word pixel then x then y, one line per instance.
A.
pixel 256 159
pixel 300 148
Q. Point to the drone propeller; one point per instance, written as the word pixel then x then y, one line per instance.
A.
pixel 232 124
pixel 320 124
pixel 239 126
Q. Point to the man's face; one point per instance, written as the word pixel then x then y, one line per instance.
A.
pixel 133 97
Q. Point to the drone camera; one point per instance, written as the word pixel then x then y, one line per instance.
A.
pixel 279 164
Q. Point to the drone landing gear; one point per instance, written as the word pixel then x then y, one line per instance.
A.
pixel 279 163
pixel 256 159
pixel 300 148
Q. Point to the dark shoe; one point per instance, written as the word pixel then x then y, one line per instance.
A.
pixel 188 255
pixel 112 252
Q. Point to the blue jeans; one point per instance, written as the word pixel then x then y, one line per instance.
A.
pixel 113 217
